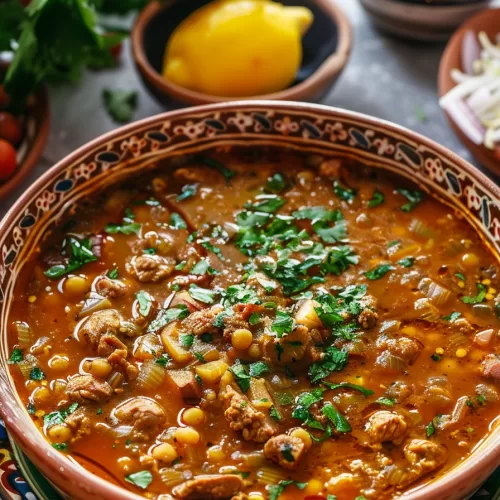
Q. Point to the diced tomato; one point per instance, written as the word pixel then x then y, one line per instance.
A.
pixel 8 160
pixel 10 128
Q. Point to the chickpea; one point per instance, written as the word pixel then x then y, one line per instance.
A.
pixel 59 362
pixel 314 486
pixel 193 416
pixel 216 453
pixel 241 339
pixel 164 452
pixel 59 433
pixel 100 367
pixel 255 496
pixel 303 435
pixel 41 395
pixel 187 435
pixel 255 351
pixel 125 464
pixel 76 286
pixel 305 177
pixel 470 260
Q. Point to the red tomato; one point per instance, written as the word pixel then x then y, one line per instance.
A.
pixel 8 160
pixel 4 98
pixel 10 128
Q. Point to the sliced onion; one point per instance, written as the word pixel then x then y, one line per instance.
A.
pixel 172 477
pixel 427 310
pixel 456 340
pixel 151 375
pixel 420 229
pixel 435 292
pixel 465 119
pixel 270 475
pixel 23 333
pixel 471 51
pixel 389 362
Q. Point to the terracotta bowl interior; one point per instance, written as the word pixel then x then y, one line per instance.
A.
pixel 36 125
pixel 489 22
pixel 328 35
pixel 136 148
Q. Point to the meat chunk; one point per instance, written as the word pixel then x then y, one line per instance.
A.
pixel 490 367
pixel 242 416
pixel 399 391
pixel 150 268
pixel 112 289
pixel 289 348
pixel 201 322
pixel 88 387
pixel 97 325
pixel 145 414
pixel 424 455
pixel 79 424
pixel 209 487
pixel 384 426
pixel 460 411
pixel 286 451
pixel 438 392
pixel 368 316
pixel 108 344
pixel 406 348
pixel 190 389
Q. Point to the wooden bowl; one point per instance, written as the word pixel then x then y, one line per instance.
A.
pixel 489 22
pixel 326 47
pixel 36 125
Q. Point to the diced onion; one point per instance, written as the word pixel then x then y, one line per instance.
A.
pixel 23 333
pixel 456 340
pixel 172 477
pixel 389 362
pixel 435 292
pixel 151 375
pixel 427 310
pixel 482 310
pixel 270 475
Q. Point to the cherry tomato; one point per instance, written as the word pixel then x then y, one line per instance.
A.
pixel 8 160
pixel 4 98
pixel 10 128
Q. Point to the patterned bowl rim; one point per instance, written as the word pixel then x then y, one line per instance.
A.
pixel 72 477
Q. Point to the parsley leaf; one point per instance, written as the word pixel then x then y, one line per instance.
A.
pixel 202 294
pixel 36 374
pixel 203 267
pixel 57 417
pixel 283 324
pixel 377 199
pixel 406 262
pixel 318 213
pixel 277 489
pixel 339 259
pixel 337 419
pixel 274 413
pixel 188 191
pixel 120 104
pixel 342 192
pixel 334 360
pixel 218 166
pixel 430 430
pixel 163 360
pixel 415 197
pixel 244 372
pixel 127 228
pixel 267 203
pixel 16 356
pixel 145 302
pixel 80 253
pixel 276 183
pixel 113 273
pixel 177 222
pixel 165 316
pixel 342 385
pixel 301 409
pixel 141 479
pixel 186 340
pixel 482 290
pixel 60 446
pixel 378 272
pixel 385 401
pixel 452 317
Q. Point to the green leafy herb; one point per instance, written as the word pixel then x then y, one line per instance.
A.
pixel 339 259
pixel 377 199
pixel 353 292
pixel 199 356
pixel 165 316
pixel 452 317
pixel 254 319
pixel 203 267
pixel 343 385
pixel 99 411
pixel 120 104
pixel 188 191
pixel 430 430
pixel 60 446
pixel 57 417
pixel 331 497
pixel 141 479
pixel 481 399
pixel 385 401
pixel 342 192
pixel 283 324
pixel 150 251
pixel 284 398
pixel 406 262
pixel 301 409
pixel 113 273
pixel 334 360
pixel 181 265
pixel 16 356
pixel 127 228
pixel 219 167
pixel 244 372
pixel 274 413
pixel 277 489
pixel 337 419
pixel 482 290
pixel 186 340
pixel 177 222
pixel 318 213
pixel 258 368
pixel 276 183
pixel 436 357
pixel 267 203
pixel 286 452
pixel 145 302
pixel 460 276
pixel 36 373
pixel 32 410
pixel 204 295
pixel 378 272
pixel 163 360
pixel 415 197
pixel 236 294
pixel 213 249
pixel 80 253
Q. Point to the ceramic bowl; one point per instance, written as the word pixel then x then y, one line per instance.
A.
pixel 421 19
pixel 36 125
pixel 303 127
pixel 489 22
pixel 326 47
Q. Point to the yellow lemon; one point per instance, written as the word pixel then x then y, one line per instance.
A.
pixel 237 48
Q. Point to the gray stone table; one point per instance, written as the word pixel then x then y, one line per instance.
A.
pixel 385 77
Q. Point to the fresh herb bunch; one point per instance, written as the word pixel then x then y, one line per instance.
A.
pixel 53 40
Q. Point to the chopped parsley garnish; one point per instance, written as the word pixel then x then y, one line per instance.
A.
pixel 199 356
pixel 99 411
pixel 337 419
pixel 377 199
pixel 342 192
pixel 283 324
pixel 206 337
pixel 334 360
pixel 32 410
pixel 393 243
pixel 165 316
pixel 460 276
pixel 202 294
pixel 211 248
pixel 482 290
pixel 276 183
pixel 277 489
pixel 339 259
pixel 301 410
pixel 481 399
pixel 145 302
pixel 218 166
pixel 188 191
pixel 414 197
pixel 16 356
pixel 60 446
pixel 80 253
pixel 140 479
pixel 150 251
pixel 406 262
pixel 181 265
pixel 113 273
pixel 267 203
pixel 127 227
pixel 244 372
pixel 241 293
pixel 430 430
pixel 286 452
pixel 342 385
pixel 254 319
pixel 385 401
pixel 378 272
pixel 163 360
pixel 436 357
pixel 274 413
pixel 452 317
pixel 177 222
pixel 57 417
pixel 186 340
pixel 36 373
pixel 203 267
